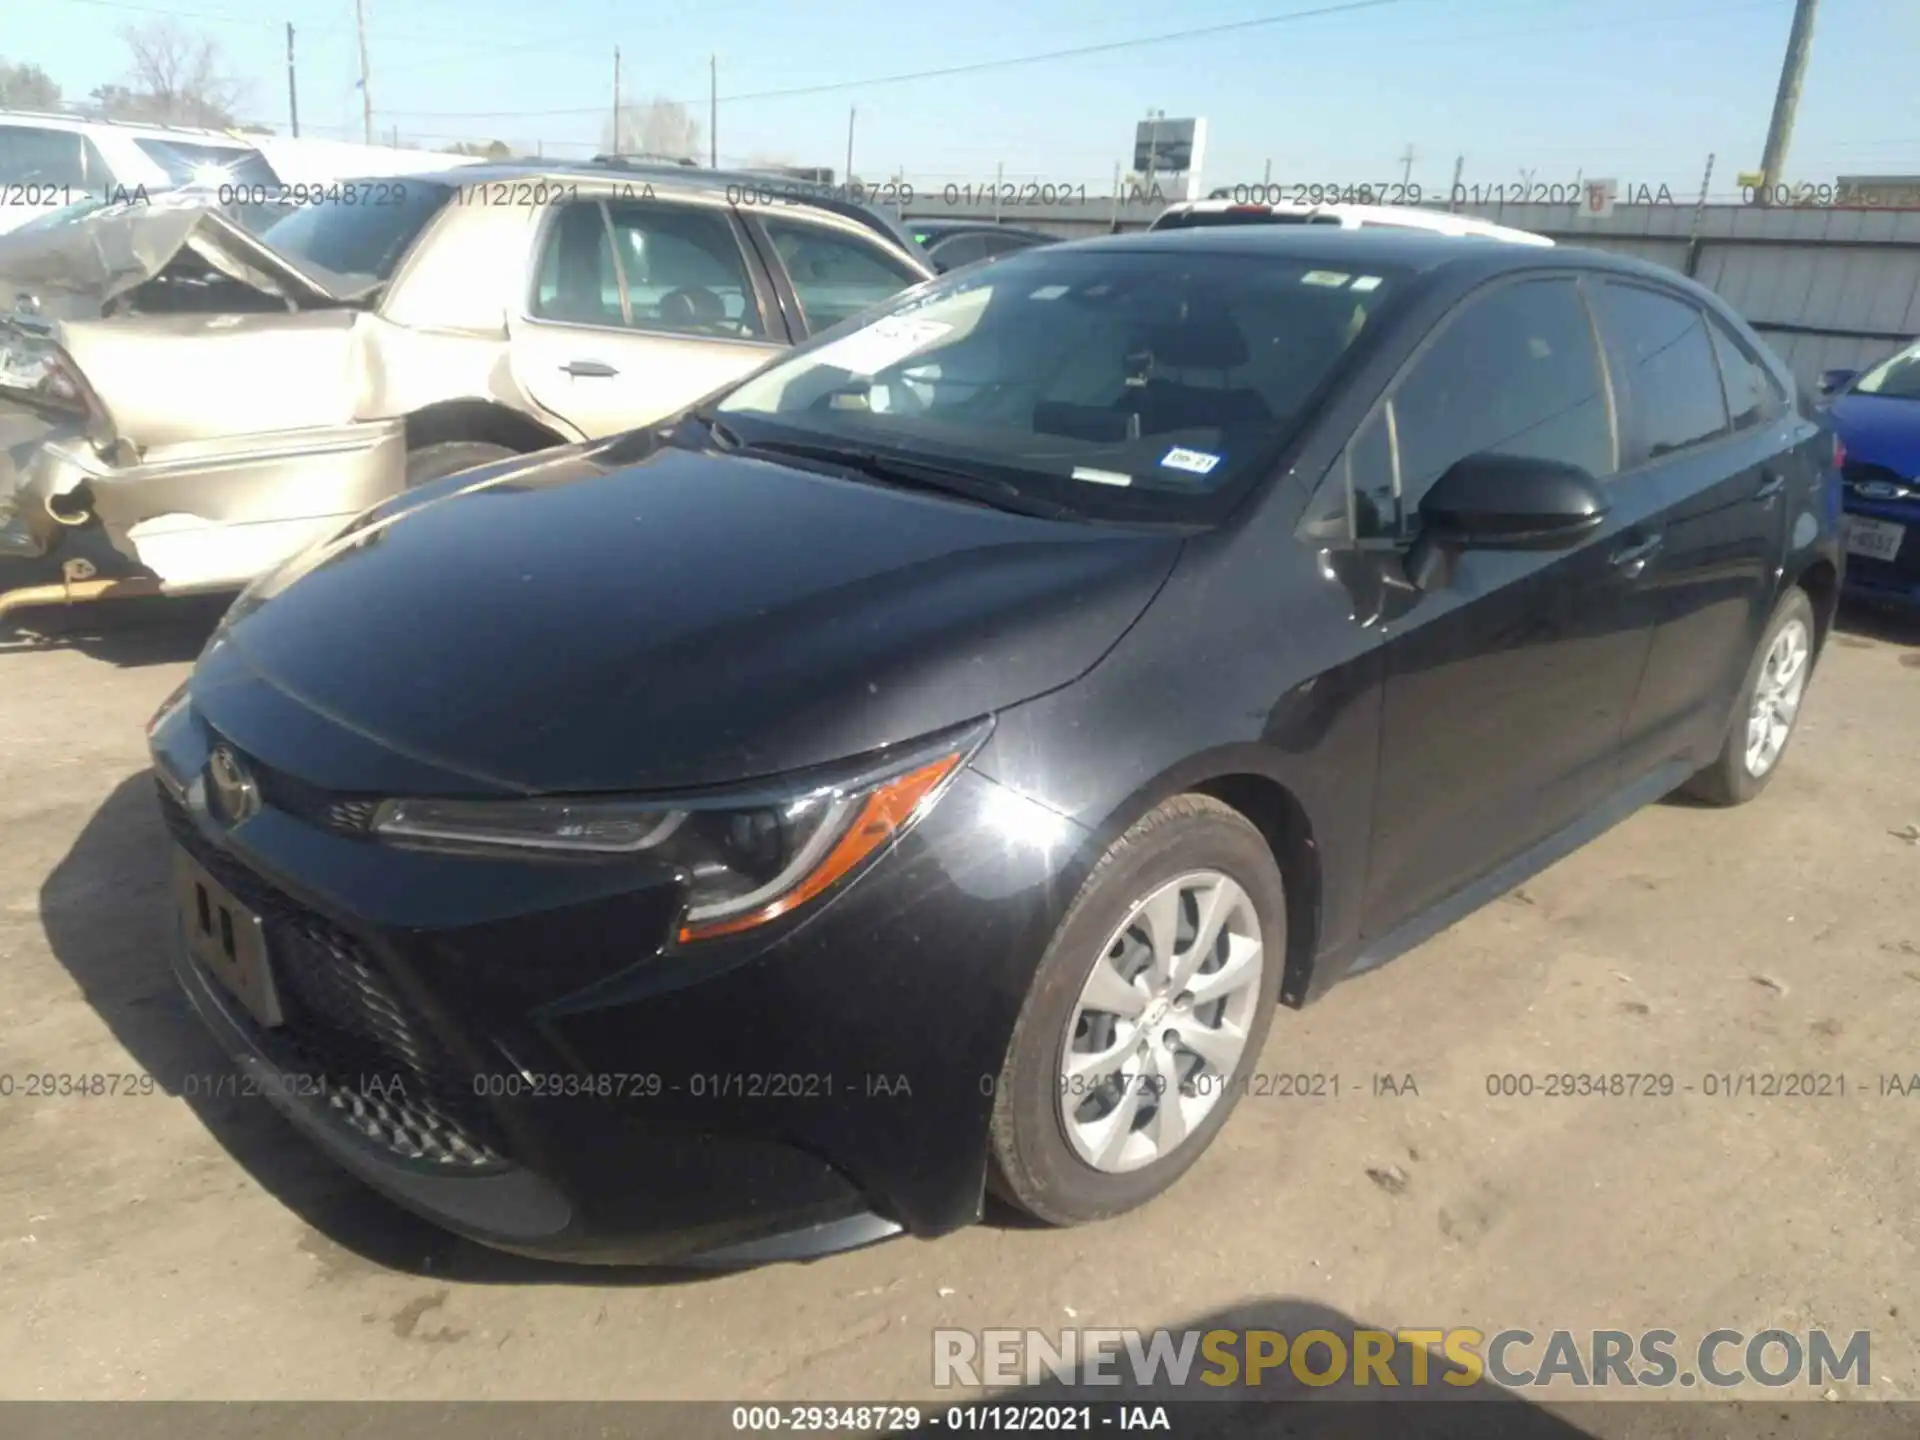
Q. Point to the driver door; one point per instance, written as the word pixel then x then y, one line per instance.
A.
pixel 637 308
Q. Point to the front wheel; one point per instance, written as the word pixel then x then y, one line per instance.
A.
pixel 1766 709
pixel 1147 1011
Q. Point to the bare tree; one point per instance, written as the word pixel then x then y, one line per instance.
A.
pixel 660 127
pixel 174 78
pixel 27 87
pixel 492 150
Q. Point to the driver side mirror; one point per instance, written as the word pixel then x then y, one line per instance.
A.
pixel 1504 502
pixel 1832 382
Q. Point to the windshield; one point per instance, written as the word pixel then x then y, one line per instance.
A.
pixel 348 235
pixel 1106 380
pixel 1895 379
pixel 189 164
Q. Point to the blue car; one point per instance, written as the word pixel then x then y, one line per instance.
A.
pixel 1876 419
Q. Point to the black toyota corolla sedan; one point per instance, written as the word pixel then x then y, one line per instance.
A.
pixel 923 769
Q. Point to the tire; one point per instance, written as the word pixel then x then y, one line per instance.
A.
pixel 436 462
pixel 1038 1160
pixel 1731 779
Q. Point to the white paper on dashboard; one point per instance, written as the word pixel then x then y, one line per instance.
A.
pixel 885 342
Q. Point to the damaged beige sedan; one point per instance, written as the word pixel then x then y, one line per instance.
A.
pixel 208 401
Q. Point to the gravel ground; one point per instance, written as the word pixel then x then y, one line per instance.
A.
pixel 156 1246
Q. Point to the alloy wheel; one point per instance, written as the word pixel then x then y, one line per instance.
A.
pixel 1161 1023
pixel 1776 696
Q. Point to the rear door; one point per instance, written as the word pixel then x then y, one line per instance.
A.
pixel 637 308
pixel 827 269
pixel 1710 438
pixel 1508 683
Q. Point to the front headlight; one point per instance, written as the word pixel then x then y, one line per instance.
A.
pixel 746 857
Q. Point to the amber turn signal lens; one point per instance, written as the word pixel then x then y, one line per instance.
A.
pixel 884 814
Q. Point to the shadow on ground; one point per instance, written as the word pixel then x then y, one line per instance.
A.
pixel 127 633
pixel 106 912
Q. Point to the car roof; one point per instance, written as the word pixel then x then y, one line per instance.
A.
pixel 945 228
pixel 1416 250
pixel 1413 217
pixel 677 179
pixel 48 120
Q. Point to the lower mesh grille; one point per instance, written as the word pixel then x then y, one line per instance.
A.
pixel 352 1040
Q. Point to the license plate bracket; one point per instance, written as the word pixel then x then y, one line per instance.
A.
pixel 1874 539
pixel 227 938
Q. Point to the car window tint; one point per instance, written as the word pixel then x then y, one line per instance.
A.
pixel 1370 474
pixel 30 155
pixel 685 272
pixel 346 235
pixel 961 250
pixel 578 284
pixel 190 164
pixel 1751 391
pixel 1516 373
pixel 835 276
pixel 1007 244
pixel 1672 375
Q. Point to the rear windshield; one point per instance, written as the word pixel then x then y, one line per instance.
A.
pixel 351 236
pixel 187 163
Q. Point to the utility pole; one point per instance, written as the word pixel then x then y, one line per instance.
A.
pixel 615 147
pixel 1406 169
pixel 293 95
pixel 366 85
pixel 713 112
pixel 1455 195
pixel 851 112
pixel 1154 117
pixel 1786 99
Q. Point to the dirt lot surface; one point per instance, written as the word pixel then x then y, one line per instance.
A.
pixel 153 1245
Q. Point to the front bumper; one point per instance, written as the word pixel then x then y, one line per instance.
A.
pixel 575 1087
pixel 1895 581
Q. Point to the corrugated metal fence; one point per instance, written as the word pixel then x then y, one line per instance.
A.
pixel 1827 287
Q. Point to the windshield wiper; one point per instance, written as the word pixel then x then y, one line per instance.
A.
pixel 921 475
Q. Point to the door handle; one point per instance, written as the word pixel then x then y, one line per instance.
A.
pixel 1633 558
pixel 598 369
pixel 1771 484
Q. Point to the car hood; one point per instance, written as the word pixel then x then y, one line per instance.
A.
pixel 586 621
pixel 70 270
pixel 1878 431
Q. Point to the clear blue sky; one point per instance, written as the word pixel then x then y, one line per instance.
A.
pixel 1641 90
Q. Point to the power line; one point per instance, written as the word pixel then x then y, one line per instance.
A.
pixel 975 67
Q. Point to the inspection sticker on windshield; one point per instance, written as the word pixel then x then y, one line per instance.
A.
pixel 1048 292
pixel 1101 477
pixel 1198 462
pixel 885 342
pixel 1366 282
pixel 1325 277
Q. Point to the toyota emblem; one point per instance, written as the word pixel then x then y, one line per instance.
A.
pixel 232 795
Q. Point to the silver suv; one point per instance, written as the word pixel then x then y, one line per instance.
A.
pixel 216 399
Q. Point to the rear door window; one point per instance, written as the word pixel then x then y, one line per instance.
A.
pixel 834 275
pixel 1661 344
pixel 186 163
pixel 684 270
pixel 57 159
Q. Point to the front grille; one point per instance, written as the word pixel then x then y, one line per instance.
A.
pixel 344 815
pixel 366 1051
pixel 1859 472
